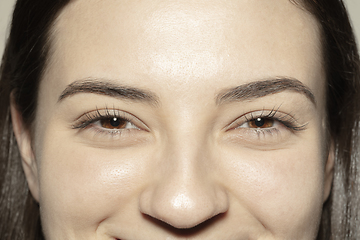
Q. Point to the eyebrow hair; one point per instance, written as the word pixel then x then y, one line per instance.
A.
pixel 98 86
pixel 263 88
pixel 243 92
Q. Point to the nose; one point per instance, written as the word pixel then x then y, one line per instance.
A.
pixel 184 192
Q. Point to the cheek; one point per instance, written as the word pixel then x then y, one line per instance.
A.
pixel 282 188
pixel 82 185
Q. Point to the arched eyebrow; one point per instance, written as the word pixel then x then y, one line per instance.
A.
pixel 263 88
pixel 242 92
pixel 104 87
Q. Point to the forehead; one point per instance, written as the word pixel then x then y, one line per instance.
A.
pixel 187 41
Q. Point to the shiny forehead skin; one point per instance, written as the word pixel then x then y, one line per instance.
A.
pixel 209 35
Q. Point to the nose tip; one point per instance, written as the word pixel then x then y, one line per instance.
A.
pixel 183 207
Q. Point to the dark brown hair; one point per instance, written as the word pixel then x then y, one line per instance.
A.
pixel 25 59
pixel 340 217
pixel 22 67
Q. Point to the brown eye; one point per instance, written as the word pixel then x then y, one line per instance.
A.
pixel 261 123
pixel 113 123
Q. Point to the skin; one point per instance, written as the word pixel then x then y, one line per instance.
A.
pixel 189 167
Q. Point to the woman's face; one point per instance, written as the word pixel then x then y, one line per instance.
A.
pixel 181 120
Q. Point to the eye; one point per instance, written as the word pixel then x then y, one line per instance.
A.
pixel 111 127
pixel 115 123
pixel 264 129
pixel 261 123
pixel 108 121
pixel 266 120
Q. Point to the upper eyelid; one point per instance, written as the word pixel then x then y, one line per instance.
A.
pixel 97 110
pixel 271 114
pixel 109 112
pixel 264 113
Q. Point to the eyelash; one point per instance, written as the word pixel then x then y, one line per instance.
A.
pixel 90 118
pixel 286 120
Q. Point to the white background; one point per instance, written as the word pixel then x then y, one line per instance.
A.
pixel 7 5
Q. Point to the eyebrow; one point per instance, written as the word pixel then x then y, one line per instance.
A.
pixel 263 88
pixel 98 86
pixel 242 92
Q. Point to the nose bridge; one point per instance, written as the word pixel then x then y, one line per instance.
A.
pixel 185 194
pixel 186 150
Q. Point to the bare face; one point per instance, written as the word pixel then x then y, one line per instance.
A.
pixel 181 120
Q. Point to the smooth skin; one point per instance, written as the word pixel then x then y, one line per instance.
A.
pixel 187 162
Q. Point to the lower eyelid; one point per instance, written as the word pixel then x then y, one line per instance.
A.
pixel 96 133
pixel 265 138
pixel 100 138
pixel 98 128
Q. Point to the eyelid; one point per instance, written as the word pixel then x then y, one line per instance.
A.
pixel 88 118
pixel 287 120
pixel 268 138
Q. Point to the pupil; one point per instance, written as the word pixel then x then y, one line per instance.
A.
pixel 259 122
pixel 115 122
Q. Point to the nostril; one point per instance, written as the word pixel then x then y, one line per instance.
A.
pixel 186 232
pixel 183 213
